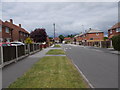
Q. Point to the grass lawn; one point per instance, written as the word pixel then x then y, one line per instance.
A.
pixel 57 45
pixel 51 72
pixel 55 52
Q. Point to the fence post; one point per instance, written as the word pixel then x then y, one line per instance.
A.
pixel 25 48
pixel 100 44
pixel 33 48
pixel 2 56
pixel 111 44
pixel 16 53
pixel 28 48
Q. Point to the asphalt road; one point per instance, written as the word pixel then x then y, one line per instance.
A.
pixel 99 67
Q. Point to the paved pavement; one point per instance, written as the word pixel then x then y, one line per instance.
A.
pixel 11 72
pixel 98 66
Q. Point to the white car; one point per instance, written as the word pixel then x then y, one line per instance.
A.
pixel 17 43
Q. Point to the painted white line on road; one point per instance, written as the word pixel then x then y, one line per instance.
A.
pixel 97 50
pixel 84 77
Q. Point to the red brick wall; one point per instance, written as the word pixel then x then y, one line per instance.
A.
pixel 113 33
pixel 100 36
pixel 6 35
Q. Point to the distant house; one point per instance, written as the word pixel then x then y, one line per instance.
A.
pixel 12 32
pixel 57 39
pixel 93 35
pixel 114 30
pixel 68 40
pixel 90 37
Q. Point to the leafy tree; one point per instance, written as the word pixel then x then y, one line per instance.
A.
pixel 28 40
pixel 61 38
pixel 71 36
pixel 116 42
pixel 39 35
pixel 105 38
pixel 50 38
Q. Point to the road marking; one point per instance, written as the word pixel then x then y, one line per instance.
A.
pixel 84 76
pixel 97 50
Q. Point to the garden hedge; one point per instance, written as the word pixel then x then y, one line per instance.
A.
pixel 116 42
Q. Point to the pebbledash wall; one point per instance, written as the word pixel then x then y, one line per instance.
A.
pixel 12 32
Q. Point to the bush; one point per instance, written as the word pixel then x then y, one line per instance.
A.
pixel 116 42
pixel 28 41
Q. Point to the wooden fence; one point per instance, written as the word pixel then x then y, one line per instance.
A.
pixel 9 54
pixel 102 44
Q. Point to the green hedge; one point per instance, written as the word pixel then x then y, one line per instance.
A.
pixel 116 42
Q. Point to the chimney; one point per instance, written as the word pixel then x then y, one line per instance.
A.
pixel 19 25
pixel 11 21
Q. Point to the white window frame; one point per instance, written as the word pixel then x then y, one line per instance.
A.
pixel 7 30
pixel 97 34
pixel 118 30
pixel 110 31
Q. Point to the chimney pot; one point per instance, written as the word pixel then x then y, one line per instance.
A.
pixel 11 21
pixel 19 25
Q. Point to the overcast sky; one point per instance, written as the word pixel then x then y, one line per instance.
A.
pixel 69 17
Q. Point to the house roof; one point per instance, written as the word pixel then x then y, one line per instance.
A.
pixel 9 24
pixel 67 38
pixel 93 31
pixel 1 22
pixel 117 25
pixel 56 38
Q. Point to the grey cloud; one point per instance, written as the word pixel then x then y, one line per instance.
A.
pixel 68 16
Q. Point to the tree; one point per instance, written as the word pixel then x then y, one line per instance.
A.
pixel 105 38
pixel 71 36
pixel 61 38
pixel 39 35
pixel 50 37
pixel 28 40
pixel 116 42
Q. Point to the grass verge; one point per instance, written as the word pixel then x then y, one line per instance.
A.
pixel 55 52
pixel 57 45
pixel 51 72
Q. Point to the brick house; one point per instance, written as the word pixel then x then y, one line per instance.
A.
pixel 12 32
pixel 114 30
pixel 57 39
pixel 90 37
pixel 5 32
pixel 93 36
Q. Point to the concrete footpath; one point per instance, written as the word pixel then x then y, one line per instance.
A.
pixel 13 71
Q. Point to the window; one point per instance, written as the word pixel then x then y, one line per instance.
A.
pixel 8 39
pixel 21 33
pixel 110 31
pixel 7 30
pixel 97 34
pixel 91 38
pixel 118 30
pixel 1 39
pixel 0 28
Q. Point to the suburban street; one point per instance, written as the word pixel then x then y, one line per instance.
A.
pixel 98 66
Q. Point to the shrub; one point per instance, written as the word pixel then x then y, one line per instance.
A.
pixel 116 42
pixel 28 41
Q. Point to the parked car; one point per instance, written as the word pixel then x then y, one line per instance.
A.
pixel 17 43
pixel 5 44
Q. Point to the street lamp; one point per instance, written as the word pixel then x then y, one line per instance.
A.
pixel 54 32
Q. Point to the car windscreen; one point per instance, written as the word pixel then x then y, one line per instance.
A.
pixel 4 44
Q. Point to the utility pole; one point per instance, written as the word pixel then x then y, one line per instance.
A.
pixel 54 32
